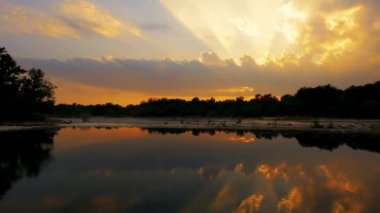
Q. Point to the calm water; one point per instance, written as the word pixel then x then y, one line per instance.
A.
pixel 155 170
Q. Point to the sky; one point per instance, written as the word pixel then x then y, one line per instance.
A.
pixel 126 51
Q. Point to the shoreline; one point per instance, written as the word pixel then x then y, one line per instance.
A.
pixel 270 124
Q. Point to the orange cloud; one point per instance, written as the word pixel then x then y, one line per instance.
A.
pixel 338 181
pixel 347 205
pixel 292 201
pixel 250 204
pixel 90 137
pixel 271 173
pixel 242 139
pixel 239 168
pixel 71 92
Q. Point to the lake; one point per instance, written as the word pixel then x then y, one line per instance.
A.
pixel 174 170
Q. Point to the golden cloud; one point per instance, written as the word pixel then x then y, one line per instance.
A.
pixel 342 21
pixel 334 35
pixel 87 16
pixel 212 59
pixel 239 90
pixel 234 29
pixel 342 37
pixel 23 20
pixel 75 18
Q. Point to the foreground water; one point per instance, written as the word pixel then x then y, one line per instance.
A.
pixel 157 170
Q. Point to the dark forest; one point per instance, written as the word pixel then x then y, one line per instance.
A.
pixel 322 101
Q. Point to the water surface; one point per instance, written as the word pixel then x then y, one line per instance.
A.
pixel 158 170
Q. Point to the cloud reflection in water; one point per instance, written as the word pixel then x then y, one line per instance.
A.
pixel 129 169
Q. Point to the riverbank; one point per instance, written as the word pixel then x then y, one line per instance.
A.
pixel 283 124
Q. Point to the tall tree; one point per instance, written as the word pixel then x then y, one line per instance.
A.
pixel 24 94
pixel 10 72
pixel 37 92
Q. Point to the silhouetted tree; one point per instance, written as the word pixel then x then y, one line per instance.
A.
pixel 24 94
pixel 38 92
pixel 322 100
pixel 11 77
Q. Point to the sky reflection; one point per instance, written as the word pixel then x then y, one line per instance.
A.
pixel 134 170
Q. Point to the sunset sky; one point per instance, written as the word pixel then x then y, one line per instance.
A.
pixel 125 51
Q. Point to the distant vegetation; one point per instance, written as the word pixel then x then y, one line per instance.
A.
pixel 24 94
pixel 321 101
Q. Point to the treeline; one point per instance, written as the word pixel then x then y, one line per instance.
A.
pixel 321 101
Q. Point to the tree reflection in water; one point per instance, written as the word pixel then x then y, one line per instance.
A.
pixel 322 140
pixel 23 155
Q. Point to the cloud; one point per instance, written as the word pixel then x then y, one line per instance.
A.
pixel 333 33
pixel 229 28
pixel 17 19
pixel 333 36
pixel 86 16
pixel 242 139
pixel 210 76
pixel 222 179
pixel 339 35
pixel 212 59
pixel 250 204
pixel 292 201
pixel 76 92
pixel 225 197
pixel 271 173
pixel 72 18
pixel 347 205
pixel 338 181
pixel 155 77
